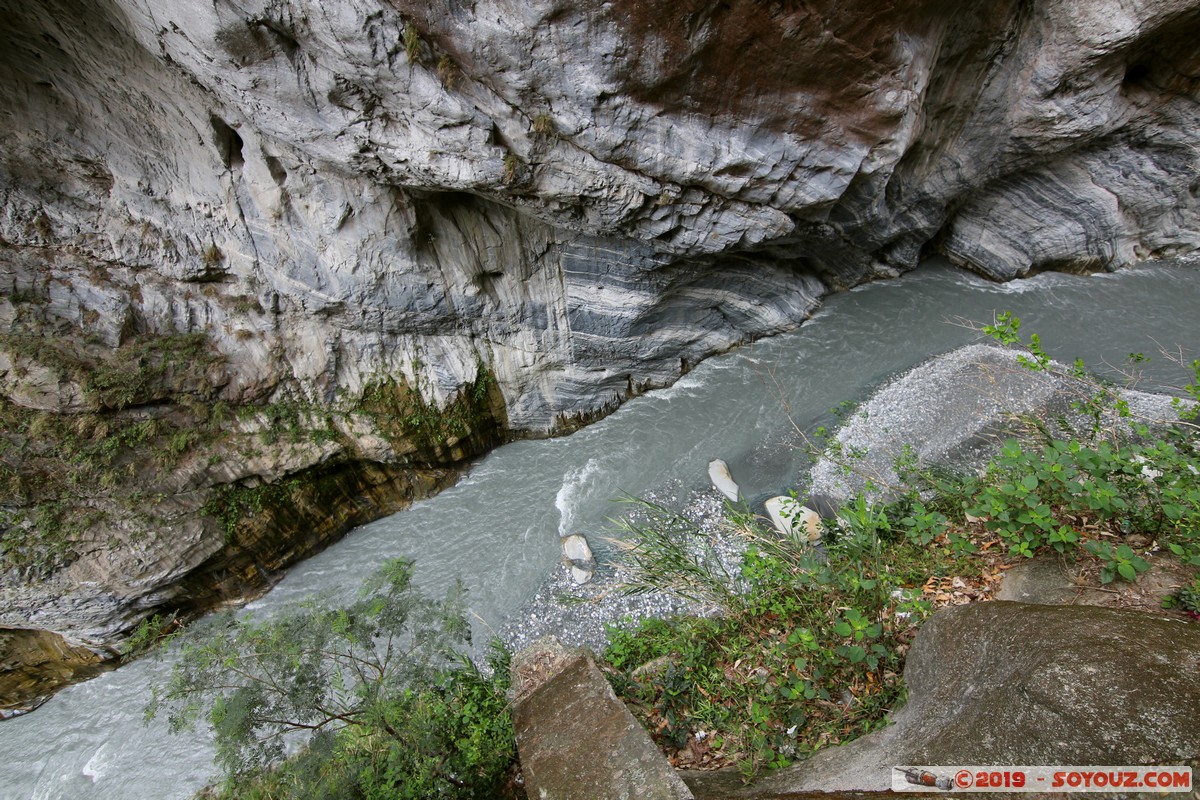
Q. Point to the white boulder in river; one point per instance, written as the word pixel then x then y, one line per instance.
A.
pixel 577 556
pixel 794 520
pixel 718 473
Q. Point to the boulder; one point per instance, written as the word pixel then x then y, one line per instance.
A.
pixel 794 520
pixel 578 558
pixel 998 683
pixel 576 740
pixel 575 548
pixel 718 473
pixel 954 410
pixel 1013 683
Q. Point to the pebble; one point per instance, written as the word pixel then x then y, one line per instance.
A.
pixel 579 616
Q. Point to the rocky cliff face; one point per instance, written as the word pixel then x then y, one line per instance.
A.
pixel 579 194
pixel 566 201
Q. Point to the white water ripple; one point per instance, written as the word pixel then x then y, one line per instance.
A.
pixel 573 494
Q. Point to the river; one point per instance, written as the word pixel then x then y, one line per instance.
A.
pixel 498 528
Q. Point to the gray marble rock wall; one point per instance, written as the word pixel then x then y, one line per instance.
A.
pixel 581 196
pixel 576 198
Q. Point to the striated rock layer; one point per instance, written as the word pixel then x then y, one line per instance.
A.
pixel 555 203
pixel 580 194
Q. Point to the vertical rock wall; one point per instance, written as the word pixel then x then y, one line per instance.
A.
pixel 539 185
pixel 551 203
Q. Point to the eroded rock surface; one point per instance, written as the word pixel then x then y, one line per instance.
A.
pixel 1013 683
pixel 578 194
pixel 35 663
pixel 576 740
pixel 954 411
pixel 573 200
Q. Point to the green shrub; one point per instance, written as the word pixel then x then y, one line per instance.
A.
pixel 806 652
pixel 229 504
pixel 1047 496
pixel 394 708
pixel 1113 478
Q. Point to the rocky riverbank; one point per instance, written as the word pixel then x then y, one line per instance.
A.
pixel 233 240
pixel 1051 680
pixel 953 410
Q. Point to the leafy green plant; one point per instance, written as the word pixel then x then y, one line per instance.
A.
pixel 1130 480
pixel 1117 560
pixel 230 504
pixel 394 709
pixel 923 524
pixel 1187 598
pixel 806 651
pixel 148 634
